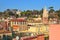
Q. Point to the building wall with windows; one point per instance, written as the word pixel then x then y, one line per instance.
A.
pixel 20 23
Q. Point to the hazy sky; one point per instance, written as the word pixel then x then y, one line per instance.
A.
pixel 28 4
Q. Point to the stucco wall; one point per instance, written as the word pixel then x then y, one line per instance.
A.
pixel 54 32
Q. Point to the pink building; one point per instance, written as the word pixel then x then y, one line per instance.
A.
pixel 54 32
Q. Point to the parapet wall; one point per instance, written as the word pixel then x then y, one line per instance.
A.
pixel 54 32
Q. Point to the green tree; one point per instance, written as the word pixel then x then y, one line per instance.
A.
pixel 41 12
pixel 1 13
pixel 35 12
pixel 58 13
pixel 23 13
pixel 51 9
pixel 28 13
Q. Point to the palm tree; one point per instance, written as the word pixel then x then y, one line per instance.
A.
pixel 51 9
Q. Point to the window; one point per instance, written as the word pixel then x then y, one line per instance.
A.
pixel 14 22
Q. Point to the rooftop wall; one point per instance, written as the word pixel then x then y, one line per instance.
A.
pixel 54 32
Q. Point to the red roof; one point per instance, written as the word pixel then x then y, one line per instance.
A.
pixel 4 24
pixel 18 20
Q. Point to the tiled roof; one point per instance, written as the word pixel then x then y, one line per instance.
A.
pixel 2 31
pixel 18 20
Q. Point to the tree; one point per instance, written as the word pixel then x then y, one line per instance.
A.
pixel 1 13
pixel 28 13
pixel 11 13
pixel 58 13
pixel 35 12
pixel 23 13
pixel 41 12
pixel 51 10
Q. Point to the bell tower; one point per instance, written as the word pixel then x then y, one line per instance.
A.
pixel 45 16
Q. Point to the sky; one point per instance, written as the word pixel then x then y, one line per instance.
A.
pixel 28 4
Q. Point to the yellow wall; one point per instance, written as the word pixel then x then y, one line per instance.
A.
pixel 33 29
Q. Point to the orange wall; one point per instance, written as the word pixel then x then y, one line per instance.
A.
pixel 54 32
